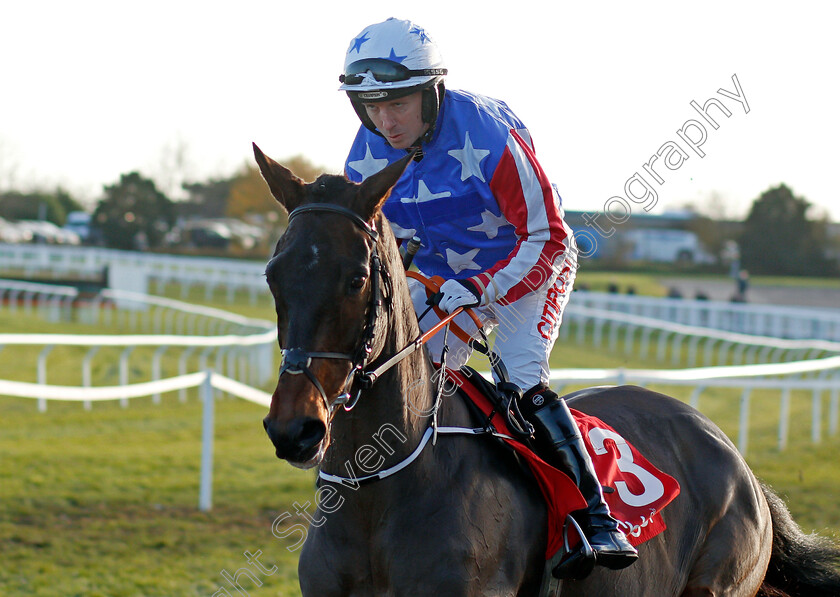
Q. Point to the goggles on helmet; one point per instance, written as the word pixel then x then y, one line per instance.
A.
pixel 384 71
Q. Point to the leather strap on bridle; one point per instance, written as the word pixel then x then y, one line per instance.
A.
pixel 338 209
pixel 298 360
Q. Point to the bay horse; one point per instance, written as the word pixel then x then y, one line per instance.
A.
pixel 465 518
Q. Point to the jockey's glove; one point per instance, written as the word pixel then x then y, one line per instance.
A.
pixel 458 293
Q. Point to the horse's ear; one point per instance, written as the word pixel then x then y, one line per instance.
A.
pixel 374 191
pixel 287 188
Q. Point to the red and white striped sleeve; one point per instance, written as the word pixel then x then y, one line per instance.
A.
pixel 527 200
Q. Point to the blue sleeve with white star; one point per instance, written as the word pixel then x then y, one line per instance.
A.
pixel 478 200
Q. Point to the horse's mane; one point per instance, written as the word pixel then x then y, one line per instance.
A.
pixel 403 314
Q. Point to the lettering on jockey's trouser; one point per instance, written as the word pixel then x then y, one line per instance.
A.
pixel 554 299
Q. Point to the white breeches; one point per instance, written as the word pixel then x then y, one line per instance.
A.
pixel 525 331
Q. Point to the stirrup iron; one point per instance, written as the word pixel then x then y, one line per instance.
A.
pixel 578 563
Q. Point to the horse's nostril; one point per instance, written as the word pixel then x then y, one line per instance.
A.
pixel 297 440
pixel 311 432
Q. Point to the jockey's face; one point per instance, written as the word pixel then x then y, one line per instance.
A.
pixel 400 121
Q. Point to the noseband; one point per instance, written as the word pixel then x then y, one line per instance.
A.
pixel 298 360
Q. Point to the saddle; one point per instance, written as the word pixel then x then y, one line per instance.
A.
pixel 635 490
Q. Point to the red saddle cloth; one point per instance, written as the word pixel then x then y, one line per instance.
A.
pixel 640 493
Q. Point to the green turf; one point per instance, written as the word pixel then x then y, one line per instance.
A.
pixel 104 502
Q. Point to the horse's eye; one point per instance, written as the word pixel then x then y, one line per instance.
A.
pixel 358 282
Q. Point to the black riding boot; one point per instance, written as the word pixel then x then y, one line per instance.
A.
pixel 558 442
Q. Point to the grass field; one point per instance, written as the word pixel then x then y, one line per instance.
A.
pixel 104 502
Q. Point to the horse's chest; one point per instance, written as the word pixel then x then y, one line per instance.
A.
pixel 448 543
pixel 401 549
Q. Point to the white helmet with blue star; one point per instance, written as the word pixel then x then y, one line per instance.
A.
pixel 391 55
pixel 389 60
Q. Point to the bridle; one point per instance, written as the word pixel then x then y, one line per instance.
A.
pixel 297 360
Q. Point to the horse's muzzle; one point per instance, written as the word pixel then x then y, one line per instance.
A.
pixel 299 441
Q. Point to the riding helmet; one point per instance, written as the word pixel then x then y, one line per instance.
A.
pixel 390 60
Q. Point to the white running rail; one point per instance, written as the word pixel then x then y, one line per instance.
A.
pixel 774 363
pixel 242 347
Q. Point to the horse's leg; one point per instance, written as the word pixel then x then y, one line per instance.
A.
pixel 736 551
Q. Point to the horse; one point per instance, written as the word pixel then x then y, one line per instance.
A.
pixel 459 515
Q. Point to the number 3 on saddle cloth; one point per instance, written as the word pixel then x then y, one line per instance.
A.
pixel 640 490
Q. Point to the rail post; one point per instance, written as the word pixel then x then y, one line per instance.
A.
pixel 744 423
pixel 205 491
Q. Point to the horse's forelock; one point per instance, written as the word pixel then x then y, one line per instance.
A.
pixel 331 188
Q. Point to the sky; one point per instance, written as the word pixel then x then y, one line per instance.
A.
pixel 179 89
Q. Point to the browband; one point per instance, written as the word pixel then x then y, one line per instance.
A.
pixel 339 209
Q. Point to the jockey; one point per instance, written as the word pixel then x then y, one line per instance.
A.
pixel 490 224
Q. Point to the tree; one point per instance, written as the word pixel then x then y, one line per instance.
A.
pixel 174 169
pixel 133 214
pixel 52 207
pixel 778 237
pixel 713 234
pixel 205 199
pixel 67 203
pixel 250 195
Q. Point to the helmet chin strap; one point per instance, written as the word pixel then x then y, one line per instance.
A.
pixel 432 100
pixel 417 146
